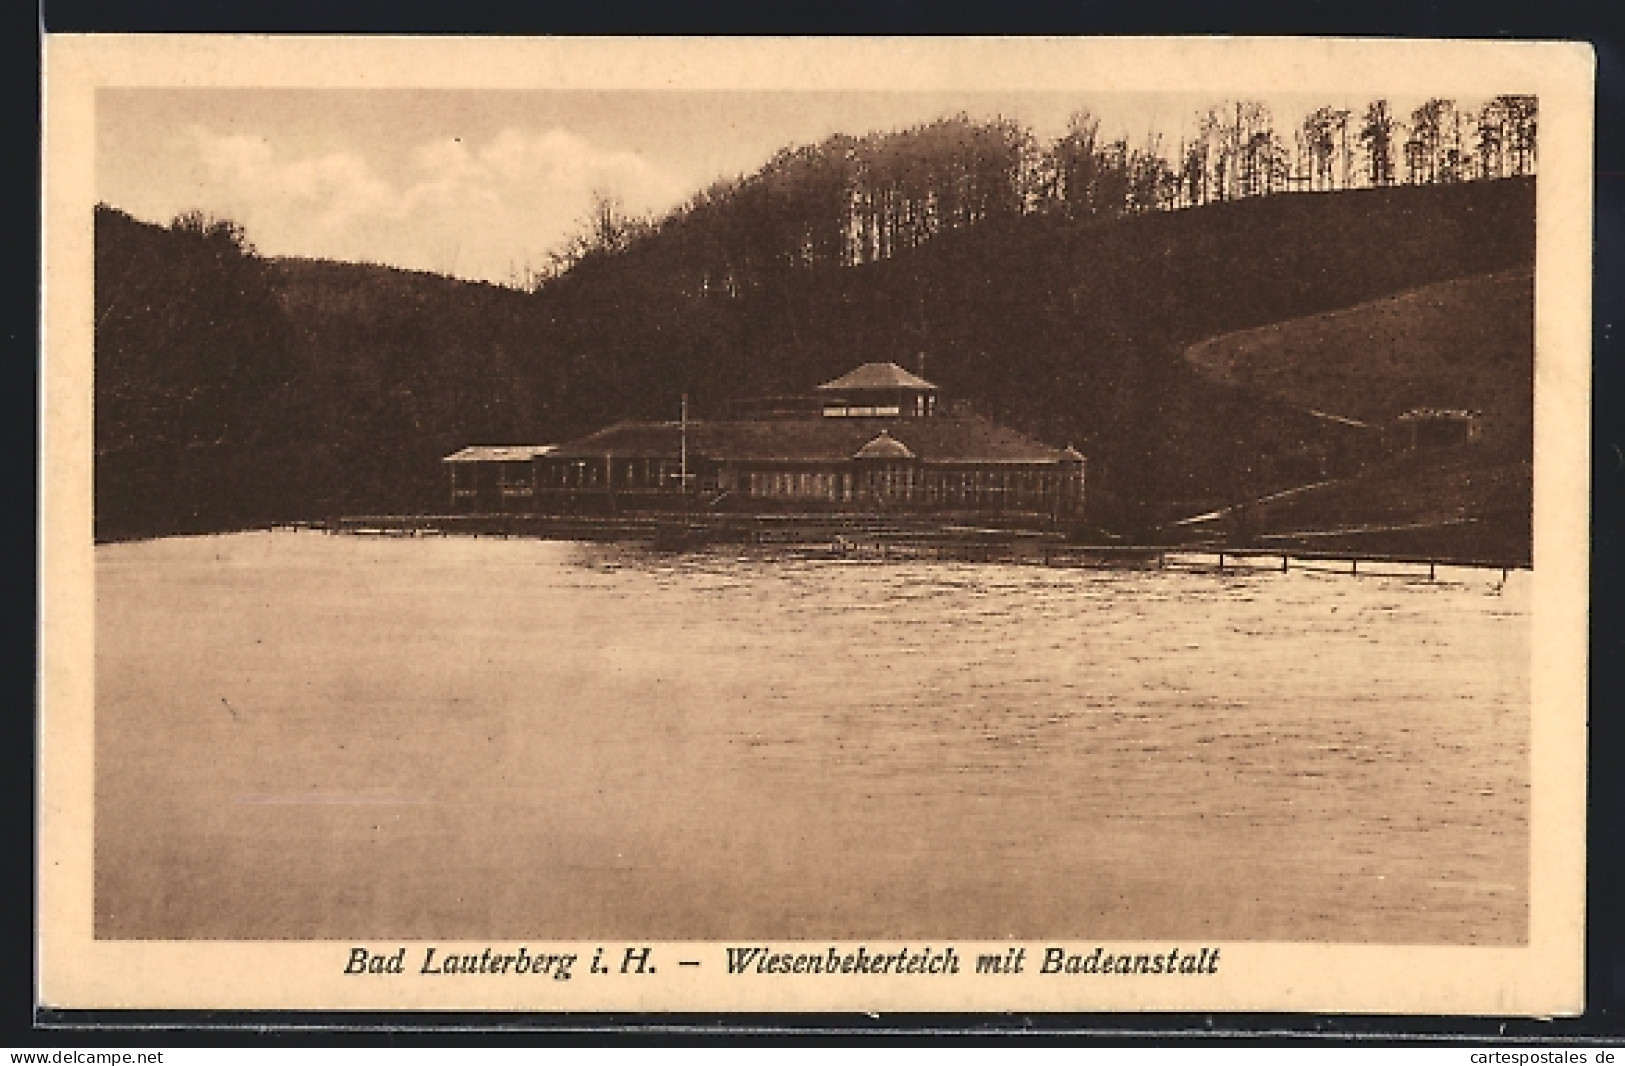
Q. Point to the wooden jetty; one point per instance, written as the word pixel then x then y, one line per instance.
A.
pixel 900 537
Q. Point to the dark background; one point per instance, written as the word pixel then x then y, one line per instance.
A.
pixel 1598 22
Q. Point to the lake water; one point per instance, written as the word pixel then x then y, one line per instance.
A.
pixel 310 736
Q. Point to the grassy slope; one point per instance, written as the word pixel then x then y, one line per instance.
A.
pixel 1466 343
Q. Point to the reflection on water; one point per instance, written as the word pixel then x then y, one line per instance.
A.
pixel 310 736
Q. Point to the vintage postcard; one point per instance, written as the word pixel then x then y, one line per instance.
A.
pixel 834 525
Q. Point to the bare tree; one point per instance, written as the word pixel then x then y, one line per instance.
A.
pixel 1433 150
pixel 1522 120
pixel 221 234
pixel 1325 142
pixel 1377 133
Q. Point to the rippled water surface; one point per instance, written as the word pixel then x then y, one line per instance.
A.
pixel 302 735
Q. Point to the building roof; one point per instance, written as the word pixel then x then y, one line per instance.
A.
pixel 1417 414
pixel 877 376
pixel 884 446
pixel 499 453
pixel 944 439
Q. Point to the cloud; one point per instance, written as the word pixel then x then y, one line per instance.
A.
pixel 476 210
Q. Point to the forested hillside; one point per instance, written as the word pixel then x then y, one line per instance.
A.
pixel 1071 330
pixel 232 389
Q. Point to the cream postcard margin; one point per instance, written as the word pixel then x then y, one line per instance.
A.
pixel 1545 977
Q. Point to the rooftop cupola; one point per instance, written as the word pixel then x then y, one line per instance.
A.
pixel 878 390
pixel 884 446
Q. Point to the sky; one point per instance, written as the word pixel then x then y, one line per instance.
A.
pixel 481 184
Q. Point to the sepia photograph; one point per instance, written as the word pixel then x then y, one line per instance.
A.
pixel 932 540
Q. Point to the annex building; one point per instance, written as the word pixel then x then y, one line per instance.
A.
pixel 875 439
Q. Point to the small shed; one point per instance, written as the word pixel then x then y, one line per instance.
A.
pixel 488 478
pixel 1438 427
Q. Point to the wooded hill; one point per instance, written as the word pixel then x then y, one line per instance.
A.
pixel 232 389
